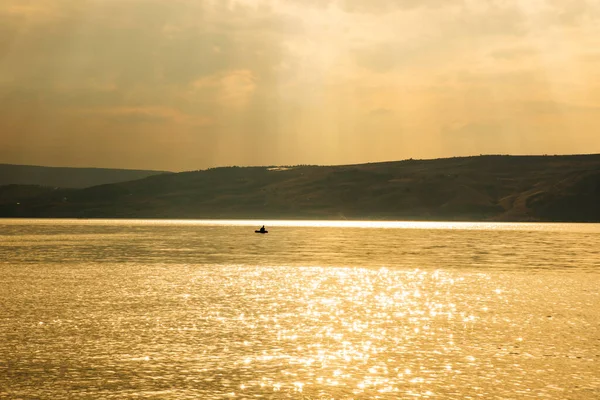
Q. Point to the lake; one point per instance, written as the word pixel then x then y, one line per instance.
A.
pixel 121 309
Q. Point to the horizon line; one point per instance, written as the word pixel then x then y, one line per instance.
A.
pixel 303 165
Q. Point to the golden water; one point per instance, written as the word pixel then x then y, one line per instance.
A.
pixel 314 310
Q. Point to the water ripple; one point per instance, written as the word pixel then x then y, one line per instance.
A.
pixel 118 314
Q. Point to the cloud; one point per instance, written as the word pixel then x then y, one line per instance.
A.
pixel 590 57
pixel 442 37
pixel 490 136
pixel 147 114
pixel 231 88
pixel 381 112
pixel 551 107
pixel 382 6
pixel 35 12
pixel 574 12
pixel 512 53
pixel 284 81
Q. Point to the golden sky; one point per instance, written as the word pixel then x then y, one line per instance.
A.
pixel 190 84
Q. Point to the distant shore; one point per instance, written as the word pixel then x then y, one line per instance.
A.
pixel 470 189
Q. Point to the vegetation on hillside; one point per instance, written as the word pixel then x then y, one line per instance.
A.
pixel 499 188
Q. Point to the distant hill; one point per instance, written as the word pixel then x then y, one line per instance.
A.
pixel 483 188
pixel 67 177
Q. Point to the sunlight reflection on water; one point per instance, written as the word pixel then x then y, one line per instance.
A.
pixel 169 311
pixel 486 226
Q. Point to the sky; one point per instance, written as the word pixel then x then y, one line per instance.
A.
pixel 190 84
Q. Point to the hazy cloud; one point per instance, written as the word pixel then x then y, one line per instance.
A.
pixel 154 115
pixel 187 84
pixel 513 53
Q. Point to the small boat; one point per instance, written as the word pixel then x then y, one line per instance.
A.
pixel 259 231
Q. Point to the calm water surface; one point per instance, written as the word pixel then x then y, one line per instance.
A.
pixel 312 310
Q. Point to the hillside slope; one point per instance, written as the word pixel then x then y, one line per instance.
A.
pixel 67 177
pixel 500 188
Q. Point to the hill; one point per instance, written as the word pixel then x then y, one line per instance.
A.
pixel 496 188
pixel 67 177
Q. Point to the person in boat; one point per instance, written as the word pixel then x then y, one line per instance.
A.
pixel 262 229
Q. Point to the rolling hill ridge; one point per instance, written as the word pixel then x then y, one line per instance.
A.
pixel 482 188
pixel 66 177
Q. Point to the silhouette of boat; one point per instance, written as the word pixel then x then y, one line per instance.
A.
pixel 259 231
